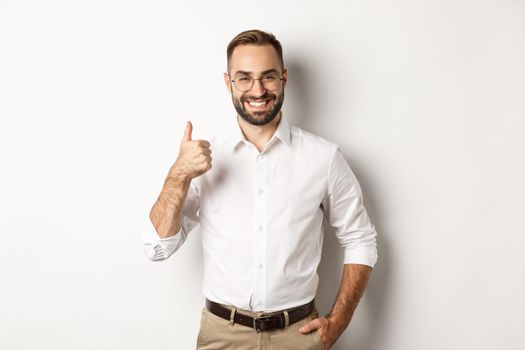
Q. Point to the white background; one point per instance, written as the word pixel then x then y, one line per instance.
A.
pixel 425 97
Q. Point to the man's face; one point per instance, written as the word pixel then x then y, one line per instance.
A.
pixel 258 105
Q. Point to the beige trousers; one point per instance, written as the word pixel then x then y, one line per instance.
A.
pixel 217 333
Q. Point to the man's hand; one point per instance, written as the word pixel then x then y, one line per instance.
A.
pixel 328 328
pixel 353 284
pixel 194 155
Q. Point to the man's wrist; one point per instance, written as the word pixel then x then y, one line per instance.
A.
pixel 339 321
pixel 179 174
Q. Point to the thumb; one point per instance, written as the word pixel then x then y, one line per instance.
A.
pixel 187 132
pixel 311 326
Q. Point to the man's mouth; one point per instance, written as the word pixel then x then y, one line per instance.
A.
pixel 257 104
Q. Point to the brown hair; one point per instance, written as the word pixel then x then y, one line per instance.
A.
pixel 254 37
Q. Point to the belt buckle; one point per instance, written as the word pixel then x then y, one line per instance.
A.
pixel 261 326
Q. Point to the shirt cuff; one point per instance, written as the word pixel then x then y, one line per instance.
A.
pixel 156 248
pixel 361 256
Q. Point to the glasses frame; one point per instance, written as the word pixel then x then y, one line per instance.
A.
pixel 253 83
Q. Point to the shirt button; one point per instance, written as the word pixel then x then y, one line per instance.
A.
pixel 260 266
pixel 260 228
pixel 260 191
pixel 259 302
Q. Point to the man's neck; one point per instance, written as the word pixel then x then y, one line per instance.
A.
pixel 259 135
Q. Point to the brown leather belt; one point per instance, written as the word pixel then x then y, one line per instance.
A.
pixel 267 322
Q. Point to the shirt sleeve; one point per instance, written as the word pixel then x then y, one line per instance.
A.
pixel 158 249
pixel 344 209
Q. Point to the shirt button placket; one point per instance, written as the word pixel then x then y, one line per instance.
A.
pixel 260 233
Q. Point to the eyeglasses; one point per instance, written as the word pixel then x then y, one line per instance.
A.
pixel 270 81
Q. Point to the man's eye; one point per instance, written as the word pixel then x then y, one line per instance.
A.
pixel 243 79
pixel 270 77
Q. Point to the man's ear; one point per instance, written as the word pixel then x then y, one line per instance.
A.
pixel 228 82
pixel 285 76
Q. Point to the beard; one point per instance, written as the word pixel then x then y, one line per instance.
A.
pixel 259 118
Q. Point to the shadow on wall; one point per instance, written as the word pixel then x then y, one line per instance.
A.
pixel 370 320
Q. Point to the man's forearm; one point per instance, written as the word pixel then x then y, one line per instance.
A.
pixel 166 212
pixel 353 285
pixel 331 326
pixel 194 160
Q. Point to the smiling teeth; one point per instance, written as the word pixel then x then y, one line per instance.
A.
pixel 257 104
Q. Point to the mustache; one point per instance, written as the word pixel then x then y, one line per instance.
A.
pixel 266 96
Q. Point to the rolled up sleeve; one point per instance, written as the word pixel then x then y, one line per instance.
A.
pixel 345 211
pixel 158 249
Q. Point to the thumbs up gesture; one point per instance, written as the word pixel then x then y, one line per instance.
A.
pixel 194 155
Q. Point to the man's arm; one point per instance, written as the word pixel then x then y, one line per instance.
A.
pixel 353 285
pixel 166 213
pixel 345 211
pixel 194 160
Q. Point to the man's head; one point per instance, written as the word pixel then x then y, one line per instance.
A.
pixel 256 76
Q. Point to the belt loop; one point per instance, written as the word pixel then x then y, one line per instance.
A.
pixel 286 319
pixel 232 316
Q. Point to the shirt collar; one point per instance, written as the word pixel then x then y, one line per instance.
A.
pixel 282 133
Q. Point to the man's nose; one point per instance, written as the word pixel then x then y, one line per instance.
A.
pixel 258 88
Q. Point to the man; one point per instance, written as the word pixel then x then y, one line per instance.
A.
pixel 261 209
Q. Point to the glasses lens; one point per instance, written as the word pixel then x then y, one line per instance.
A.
pixel 271 82
pixel 243 83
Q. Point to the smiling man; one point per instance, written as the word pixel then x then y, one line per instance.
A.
pixel 261 209
pixel 257 105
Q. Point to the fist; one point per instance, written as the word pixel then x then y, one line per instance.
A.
pixel 194 155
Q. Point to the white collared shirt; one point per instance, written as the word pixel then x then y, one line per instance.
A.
pixel 261 218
